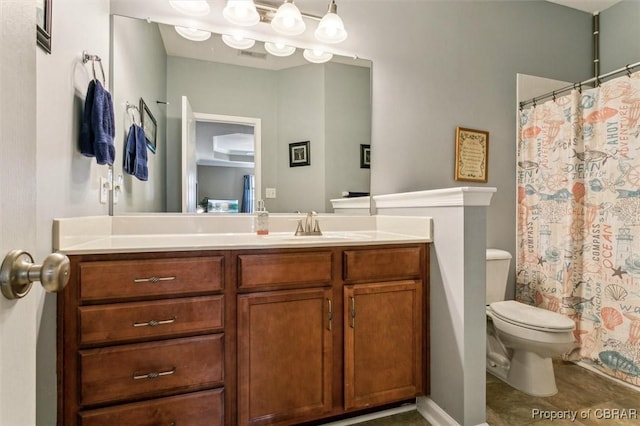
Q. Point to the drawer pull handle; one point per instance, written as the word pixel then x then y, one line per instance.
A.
pixel 154 323
pixel 153 374
pixel 353 312
pixel 153 279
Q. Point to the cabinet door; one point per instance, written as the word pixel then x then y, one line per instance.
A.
pixel 383 342
pixel 284 355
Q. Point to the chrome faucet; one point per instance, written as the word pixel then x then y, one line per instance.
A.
pixel 310 227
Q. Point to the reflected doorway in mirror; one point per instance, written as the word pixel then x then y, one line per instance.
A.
pixel 299 154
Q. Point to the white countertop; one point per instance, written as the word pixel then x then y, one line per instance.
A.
pixel 183 232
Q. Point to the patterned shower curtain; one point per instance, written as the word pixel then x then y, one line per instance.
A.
pixel 578 224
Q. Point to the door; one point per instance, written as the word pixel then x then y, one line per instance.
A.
pixel 284 355
pixel 17 211
pixel 382 342
pixel 189 185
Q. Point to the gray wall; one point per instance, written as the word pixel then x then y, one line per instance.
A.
pixel 142 73
pixel 443 64
pixel 347 112
pixel 301 118
pixel 620 36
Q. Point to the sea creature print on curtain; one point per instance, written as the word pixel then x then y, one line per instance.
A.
pixel 578 225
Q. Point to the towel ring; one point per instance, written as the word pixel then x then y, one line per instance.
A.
pixel 129 107
pixel 86 57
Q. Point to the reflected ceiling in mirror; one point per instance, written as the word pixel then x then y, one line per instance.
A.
pixel 211 75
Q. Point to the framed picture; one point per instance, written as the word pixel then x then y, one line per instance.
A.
pixel 43 27
pixel 299 154
pixel 472 155
pixel 365 156
pixel 149 125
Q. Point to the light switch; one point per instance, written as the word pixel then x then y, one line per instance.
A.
pixel 270 193
pixel 104 190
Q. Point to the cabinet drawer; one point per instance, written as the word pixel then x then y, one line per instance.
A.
pixel 117 280
pixel 194 409
pixel 127 322
pixel 284 269
pixel 150 369
pixel 382 264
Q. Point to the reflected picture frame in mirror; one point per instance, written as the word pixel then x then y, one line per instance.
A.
pixel 300 154
pixel 149 125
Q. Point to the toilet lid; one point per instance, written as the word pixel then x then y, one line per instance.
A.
pixel 531 317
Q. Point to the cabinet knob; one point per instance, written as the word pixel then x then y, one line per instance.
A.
pixel 18 272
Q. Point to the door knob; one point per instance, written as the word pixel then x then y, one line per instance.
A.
pixel 18 272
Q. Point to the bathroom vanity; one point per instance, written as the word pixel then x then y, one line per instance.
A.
pixel 234 328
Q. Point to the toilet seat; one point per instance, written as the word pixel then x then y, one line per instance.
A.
pixel 530 317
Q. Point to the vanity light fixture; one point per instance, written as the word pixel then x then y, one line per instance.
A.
pixel 237 41
pixel 317 56
pixel 191 7
pixel 241 12
pixel 288 20
pixel 192 33
pixel 331 28
pixel 279 49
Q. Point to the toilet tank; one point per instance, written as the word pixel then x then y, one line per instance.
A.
pixel 497 274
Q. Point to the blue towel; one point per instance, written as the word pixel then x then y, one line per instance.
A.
pixel 135 153
pixel 86 131
pixel 103 125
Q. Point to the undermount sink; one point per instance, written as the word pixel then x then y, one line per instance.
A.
pixel 327 236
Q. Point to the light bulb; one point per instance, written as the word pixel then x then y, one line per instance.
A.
pixel 241 12
pixel 192 33
pixel 191 7
pixel 317 56
pixel 288 20
pixel 331 29
pixel 237 41
pixel 279 49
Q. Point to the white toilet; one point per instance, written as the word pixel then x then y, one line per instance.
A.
pixel 522 339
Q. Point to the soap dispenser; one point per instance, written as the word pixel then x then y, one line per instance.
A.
pixel 262 219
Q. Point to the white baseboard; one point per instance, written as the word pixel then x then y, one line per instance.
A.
pixel 373 416
pixel 435 415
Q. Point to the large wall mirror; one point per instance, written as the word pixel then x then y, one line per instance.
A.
pixel 229 91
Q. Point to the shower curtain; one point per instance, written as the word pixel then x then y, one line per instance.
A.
pixel 578 224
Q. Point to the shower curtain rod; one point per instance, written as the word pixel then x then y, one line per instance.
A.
pixel 597 79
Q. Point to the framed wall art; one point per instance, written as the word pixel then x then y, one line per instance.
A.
pixel 365 156
pixel 149 125
pixel 43 27
pixel 472 155
pixel 299 154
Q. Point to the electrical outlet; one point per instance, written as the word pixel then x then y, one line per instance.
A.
pixel 270 193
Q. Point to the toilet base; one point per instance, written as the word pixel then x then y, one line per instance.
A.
pixel 527 372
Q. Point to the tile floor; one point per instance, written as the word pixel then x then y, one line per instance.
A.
pixel 580 391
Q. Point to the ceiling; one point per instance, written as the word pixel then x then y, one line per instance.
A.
pixel 591 6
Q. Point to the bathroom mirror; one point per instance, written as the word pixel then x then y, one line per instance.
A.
pixel 328 105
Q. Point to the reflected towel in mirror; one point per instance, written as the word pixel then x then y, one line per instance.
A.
pixel 135 153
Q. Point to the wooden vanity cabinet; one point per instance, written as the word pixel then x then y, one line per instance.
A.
pixel 285 337
pixel 141 340
pixel 385 324
pixel 242 337
pixel 324 333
